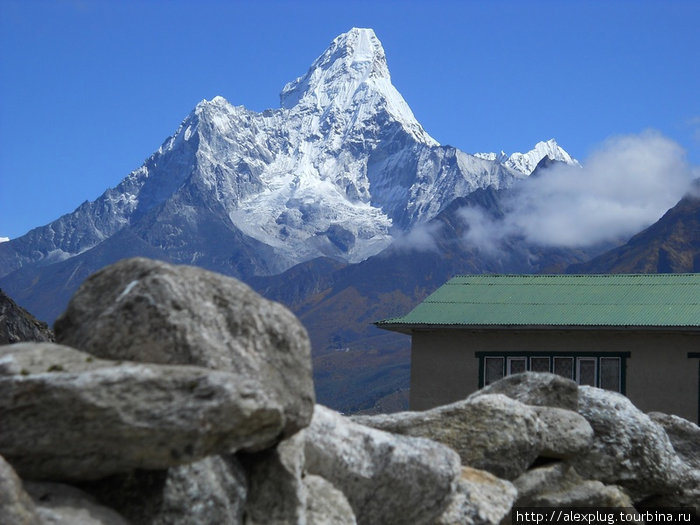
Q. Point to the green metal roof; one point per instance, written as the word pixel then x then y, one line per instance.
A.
pixel 615 300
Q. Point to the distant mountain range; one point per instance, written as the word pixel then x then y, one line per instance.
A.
pixel 338 204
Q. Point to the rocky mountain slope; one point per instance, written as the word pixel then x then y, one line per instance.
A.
pixel 16 324
pixel 671 245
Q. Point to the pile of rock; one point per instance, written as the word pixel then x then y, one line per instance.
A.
pixel 179 396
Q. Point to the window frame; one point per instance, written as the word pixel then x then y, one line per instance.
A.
pixel 623 356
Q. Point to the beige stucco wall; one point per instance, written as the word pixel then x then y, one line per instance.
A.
pixel 660 376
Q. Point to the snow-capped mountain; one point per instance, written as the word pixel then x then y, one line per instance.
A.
pixel 340 169
pixel 525 163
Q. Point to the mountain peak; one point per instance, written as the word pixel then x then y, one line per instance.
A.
pixel 351 78
pixel 527 162
pixel 351 59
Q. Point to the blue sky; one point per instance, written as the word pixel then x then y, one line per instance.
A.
pixel 90 88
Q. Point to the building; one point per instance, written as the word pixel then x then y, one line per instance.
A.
pixel 635 334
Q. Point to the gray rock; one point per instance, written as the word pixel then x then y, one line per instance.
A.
pixel 388 479
pixel 276 493
pixel 684 436
pixel 565 434
pixel 67 415
pixel 536 388
pixel 150 311
pixel 481 499
pixel 490 432
pixel 325 504
pixel 629 449
pixel 559 485
pixel 212 490
pixel 16 507
pixel 65 505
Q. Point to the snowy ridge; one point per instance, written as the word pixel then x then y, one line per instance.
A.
pixel 525 163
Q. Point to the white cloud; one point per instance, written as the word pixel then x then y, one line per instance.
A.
pixel 4 239
pixel 421 238
pixel 623 187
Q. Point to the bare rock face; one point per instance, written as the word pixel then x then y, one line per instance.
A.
pixel 150 311
pixel 388 479
pixel 16 507
pixel 629 449
pixel 535 388
pixel 480 499
pixel 67 415
pixel 491 432
pixel 18 325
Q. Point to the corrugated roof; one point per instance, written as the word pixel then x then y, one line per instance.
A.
pixel 651 300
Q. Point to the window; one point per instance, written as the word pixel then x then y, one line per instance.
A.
pixel 493 369
pixel 586 371
pixel 539 364
pixel 610 373
pixel 516 365
pixel 603 370
pixel 564 366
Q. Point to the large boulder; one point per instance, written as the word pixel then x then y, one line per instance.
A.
pixel 150 311
pixel 629 449
pixel 67 415
pixel 490 432
pixel 535 388
pixel 16 507
pixel 388 479
pixel 480 499
pixel 565 434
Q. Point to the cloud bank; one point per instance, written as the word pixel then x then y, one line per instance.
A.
pixel 623 187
